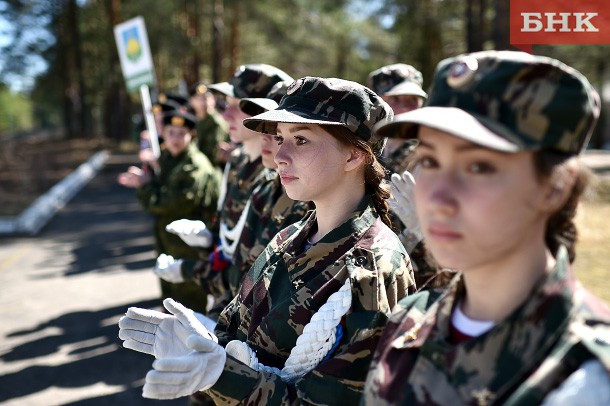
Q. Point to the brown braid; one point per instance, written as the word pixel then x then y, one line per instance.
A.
pixel 561 229
pixel 375 184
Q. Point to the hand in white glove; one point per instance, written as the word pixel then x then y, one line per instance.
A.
pixel 206 321
pixel 160 334
pixel 169 269
pixel 175 377
pixel 402 203
pixel 192 232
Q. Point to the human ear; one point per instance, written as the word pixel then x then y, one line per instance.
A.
pixel 560 184
pixel 355 159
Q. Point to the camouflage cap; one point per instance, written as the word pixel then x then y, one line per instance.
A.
pixel 506 100
pixel 258 105
pixel 397 79
pixel 313 100
pixel 253 80
pixel 179 119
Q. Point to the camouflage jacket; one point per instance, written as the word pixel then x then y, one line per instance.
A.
pixel 242 176
pixel 399 160
pixel 271 210
pixel 211 130
pixel 286 286
pixel 517 362
pixel 186 187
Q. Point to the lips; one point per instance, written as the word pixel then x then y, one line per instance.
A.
pixel 443 233
pixel 266 151
pixel 285 178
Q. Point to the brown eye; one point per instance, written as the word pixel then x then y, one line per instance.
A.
pixel 481 168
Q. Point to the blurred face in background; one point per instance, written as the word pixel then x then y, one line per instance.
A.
pixel 234 117
pixel 176 138
pixel 403 103
pixel 269 148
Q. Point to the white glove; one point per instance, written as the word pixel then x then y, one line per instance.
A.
pixel 402 203
pixel 192 232
pixel 160 334
pixel 169 269
pixel 206 321
pixel 175 377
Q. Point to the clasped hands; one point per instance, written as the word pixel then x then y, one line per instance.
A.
pixel 188 357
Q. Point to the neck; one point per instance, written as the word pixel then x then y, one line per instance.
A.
pixel 333 210
pixel 494 291
pixel 252 148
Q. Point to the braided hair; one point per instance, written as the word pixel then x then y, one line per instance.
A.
pixel 375 184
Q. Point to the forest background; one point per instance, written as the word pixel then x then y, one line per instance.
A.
pixel 59 65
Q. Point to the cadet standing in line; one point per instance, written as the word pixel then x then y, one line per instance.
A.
pixel 328 281
pixel 400 85
pixel 498 183
pixel 241 176
pixel 186 186
pixel 270 208
pixel 212 129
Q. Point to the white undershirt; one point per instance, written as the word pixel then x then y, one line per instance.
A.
pixel 468 326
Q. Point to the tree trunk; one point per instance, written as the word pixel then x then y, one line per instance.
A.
pixel 81 112
pixel 475 25
pixel 217 33
pixel 192 61
pixel 117 105
pixel 501 30
pixel 234 40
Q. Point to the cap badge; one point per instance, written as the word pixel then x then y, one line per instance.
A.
pixel 201 88
pixel 178 121
pixel 294 86
pixel 462 72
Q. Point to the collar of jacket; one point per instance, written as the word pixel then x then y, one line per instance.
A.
pixel 510 349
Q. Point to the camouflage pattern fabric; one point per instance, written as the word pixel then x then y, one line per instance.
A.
pixel 517 362
pixel 252 80
pixel 271 210
pixel 397 79
pixel 286 286
pixel 330 101
pixel 531 102
pixel 244 175
pixel 186 187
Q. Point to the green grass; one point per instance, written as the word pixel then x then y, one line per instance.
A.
pixel 592 265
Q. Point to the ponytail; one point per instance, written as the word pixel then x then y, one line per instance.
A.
pixel 561 229
pixel 375 184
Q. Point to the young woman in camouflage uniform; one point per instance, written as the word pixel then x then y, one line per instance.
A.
pixel 309 313
pixel 496 192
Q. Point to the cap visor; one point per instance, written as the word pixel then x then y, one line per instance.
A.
pixel 284 116
pixel 255 104
pixel 408 89
pixel 223 87
pixel 453 121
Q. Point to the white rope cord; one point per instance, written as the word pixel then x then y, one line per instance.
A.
pixel 313 344
pixel 227 235
pixel 223 186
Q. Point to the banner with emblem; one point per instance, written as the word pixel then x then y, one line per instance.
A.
pixel 134 54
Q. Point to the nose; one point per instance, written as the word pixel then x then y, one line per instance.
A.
pixel 441 192
pixel 282 156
